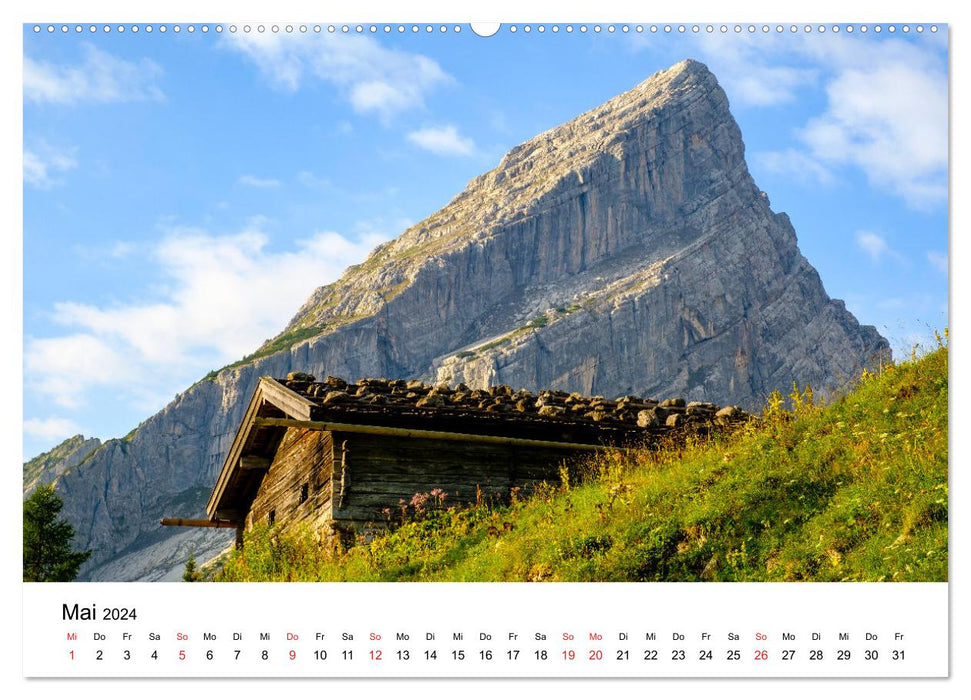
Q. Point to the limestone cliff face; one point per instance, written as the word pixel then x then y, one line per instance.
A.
pixel 46 467
pixel 627 251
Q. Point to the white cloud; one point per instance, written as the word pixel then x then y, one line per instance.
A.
pixel 100 77
pixel 64 368
pixel 886 113
pixel 42 163
pixel 938 260
pixel 794 162
pixel 224 295
pixel 442 140
pixel 890 121
pixel 121 249
pixel 748 69
pixel 885 108
pixel 54 428
pixel 315 182
pixel 876 247
pixel 253 181
pixel 872 244
pixel 374 79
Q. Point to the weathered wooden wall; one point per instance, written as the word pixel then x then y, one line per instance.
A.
pixel 378 471
pixel 303 460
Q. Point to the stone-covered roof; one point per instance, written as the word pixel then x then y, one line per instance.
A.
pixel 440 406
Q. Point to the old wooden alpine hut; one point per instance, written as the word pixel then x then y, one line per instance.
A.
pixel 341 456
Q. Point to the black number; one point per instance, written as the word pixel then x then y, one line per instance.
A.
pixel 843 655
pixel 404 654
pixel 677 655
pixel 788 654
pixel 209 655
pixel 237 654
pixel 486 654
pixel 348 654
pixel 265 655
pixel 815 654
pixel 127 655
pixel 541 655
pixel 99 655
pixel 622 655
pixel 431 655
pixel 155 654
pixel 513 654
pixel 320 655
pixel 650 654
pixel 704 655
pixel 871 654
pixel 898 654
pixel 734 655
pixel 458 655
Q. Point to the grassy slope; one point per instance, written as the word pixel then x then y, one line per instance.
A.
pixel 853 491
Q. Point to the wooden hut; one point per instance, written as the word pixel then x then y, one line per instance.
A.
pixel 343 457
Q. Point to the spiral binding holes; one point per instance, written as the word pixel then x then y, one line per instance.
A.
pixel 442 29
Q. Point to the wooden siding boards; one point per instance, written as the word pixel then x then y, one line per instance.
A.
pixel 375 472
pixel 303 458
pixel 381 471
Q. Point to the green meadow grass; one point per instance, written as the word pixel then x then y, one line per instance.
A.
pixel 852 491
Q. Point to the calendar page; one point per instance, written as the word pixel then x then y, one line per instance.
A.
pixel 428 349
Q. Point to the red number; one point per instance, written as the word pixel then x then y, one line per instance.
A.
pixel 569 654
pixel 761 655
pixel 375 655
pixel 293 654
pixel 181 654
pixel 596 655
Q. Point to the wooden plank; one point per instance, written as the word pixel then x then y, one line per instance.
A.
pixel 287 400
pixel 254 462
pixel 432 434
pixel 297 486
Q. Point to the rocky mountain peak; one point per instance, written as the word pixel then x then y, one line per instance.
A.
pixel 625 252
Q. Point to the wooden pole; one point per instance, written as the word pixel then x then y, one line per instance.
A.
pixel 430 434
pixel 189 522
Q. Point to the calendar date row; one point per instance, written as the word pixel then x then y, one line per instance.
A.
pixel 540 655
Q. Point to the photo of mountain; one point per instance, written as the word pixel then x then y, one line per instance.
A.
pixel 520 310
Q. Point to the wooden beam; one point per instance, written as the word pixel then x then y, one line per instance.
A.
pixel 254 462
pixel 287 400
pixel 431 434
pixel 189 522
pixel 230 514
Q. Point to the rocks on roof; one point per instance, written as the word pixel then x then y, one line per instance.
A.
pixel 370 395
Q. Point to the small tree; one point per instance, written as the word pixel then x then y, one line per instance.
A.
pixel 47 539
pixel 190 574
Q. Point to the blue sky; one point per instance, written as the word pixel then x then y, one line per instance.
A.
pixel 184 193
